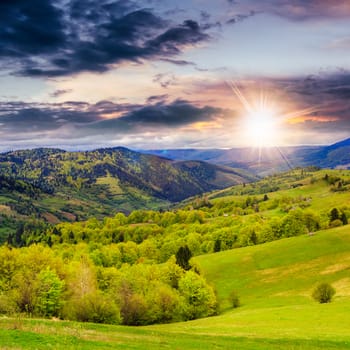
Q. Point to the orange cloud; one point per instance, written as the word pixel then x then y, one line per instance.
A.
pixel 318 119
pixel 111 115
pixel 204 126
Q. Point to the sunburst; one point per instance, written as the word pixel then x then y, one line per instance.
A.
pixel 263 123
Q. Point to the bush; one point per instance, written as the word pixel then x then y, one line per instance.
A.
pixel 7 305
pixel 234 299
pixel 93 307
pixel 323 293
pixel 336 223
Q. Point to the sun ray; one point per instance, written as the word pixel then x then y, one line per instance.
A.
pixel 262 125
pixel 240 96
pixel 301 113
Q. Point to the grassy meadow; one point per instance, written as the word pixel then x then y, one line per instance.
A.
pixel 274 282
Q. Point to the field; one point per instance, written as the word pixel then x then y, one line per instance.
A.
pixel 274 282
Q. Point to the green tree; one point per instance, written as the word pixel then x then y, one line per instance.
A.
pixel 183 256
pixel 49 293
pixel 199 299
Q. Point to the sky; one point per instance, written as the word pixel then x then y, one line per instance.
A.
pixel 161 74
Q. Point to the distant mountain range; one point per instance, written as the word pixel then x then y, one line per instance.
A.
pixel 56 185
pixel 267 160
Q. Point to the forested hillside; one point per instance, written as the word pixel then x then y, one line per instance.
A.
pixel 53 185
pixel 137 268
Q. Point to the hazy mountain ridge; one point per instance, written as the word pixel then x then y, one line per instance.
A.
pixel 268 160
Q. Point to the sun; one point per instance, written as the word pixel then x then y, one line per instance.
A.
pixel 260 128
pixel 260 122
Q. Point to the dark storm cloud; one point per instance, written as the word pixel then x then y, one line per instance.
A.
pixel 57 38
pixel 156 117
pixel 20 117
pixel 178 113
pixel 30 28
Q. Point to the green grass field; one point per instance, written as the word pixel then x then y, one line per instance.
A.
pixel 274 282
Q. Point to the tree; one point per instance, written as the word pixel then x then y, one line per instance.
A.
pixel 334 215
pixel 343 218
pixel 199 299
pixel 253 237
pixel 183 256
pixel 323 293
pixel 49 293
pixel 217 245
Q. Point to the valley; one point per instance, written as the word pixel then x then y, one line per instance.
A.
pixel 270 242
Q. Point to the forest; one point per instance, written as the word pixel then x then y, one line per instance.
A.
pixel 138 269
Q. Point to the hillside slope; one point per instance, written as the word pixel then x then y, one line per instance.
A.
pixel 56 185
pixel 52 169
pixel 274 282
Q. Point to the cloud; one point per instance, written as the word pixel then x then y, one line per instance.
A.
pixel 157 98
pixel 57 38
pixel 30 28
pixel 342 43
pixel 76 120
pixel 295 10
pixel 327 94
pixel 240 17
pixel 164 80
pixel 21 117
pixel 156 118
pixel 301 10
pixel 60 92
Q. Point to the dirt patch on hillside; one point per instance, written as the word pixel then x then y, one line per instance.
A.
pixel 344 265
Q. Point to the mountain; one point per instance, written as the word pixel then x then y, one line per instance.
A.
pixel 58 185
pixel 336 155
pixel 268 160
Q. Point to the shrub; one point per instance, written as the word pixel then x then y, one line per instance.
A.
pixel 336 223
pixel 7 305
pixel 93 307
pixel 323 293
pixel 234 299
